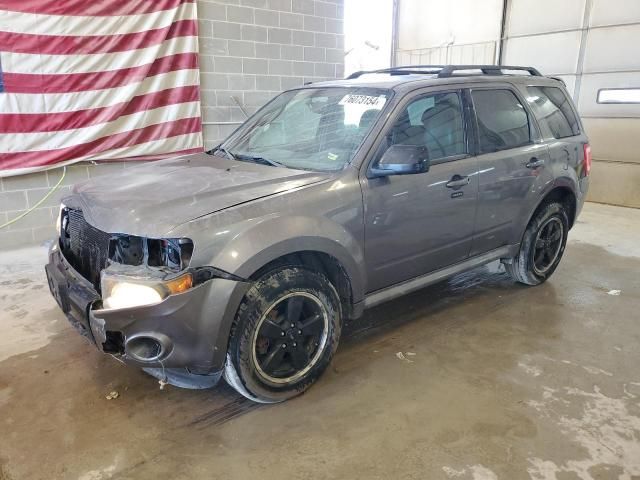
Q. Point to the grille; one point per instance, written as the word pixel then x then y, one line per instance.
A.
pixel 85 247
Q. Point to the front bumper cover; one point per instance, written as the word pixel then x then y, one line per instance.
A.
pixel 192 327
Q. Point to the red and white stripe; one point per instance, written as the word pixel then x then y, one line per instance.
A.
pixel 97 80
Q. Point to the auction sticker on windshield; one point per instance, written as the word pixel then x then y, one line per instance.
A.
pixel 371 101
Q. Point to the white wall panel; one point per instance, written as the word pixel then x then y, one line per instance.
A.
pixel 613 49
pixel 614 12
pixel 570 82
pixel 475 53
pixel 589 93
pixel 433 23
pixel 614 138
pixel 540 16
pixel 554 53
pixel 615 183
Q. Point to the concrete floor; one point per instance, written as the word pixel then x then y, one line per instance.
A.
pixel 495 381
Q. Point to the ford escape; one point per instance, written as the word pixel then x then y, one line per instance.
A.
pixel 244 261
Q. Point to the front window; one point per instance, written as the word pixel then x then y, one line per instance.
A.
pixel 309 129
pixel 433 121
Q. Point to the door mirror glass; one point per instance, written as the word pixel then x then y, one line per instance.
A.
pixel 402 160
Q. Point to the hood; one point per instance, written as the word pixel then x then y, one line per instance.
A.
pixel 153 198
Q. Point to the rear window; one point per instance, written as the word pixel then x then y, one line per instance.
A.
pixel 553 110
pixel 503 122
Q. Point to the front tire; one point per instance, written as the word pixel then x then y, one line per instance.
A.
pixel 284 336
pixel 542 246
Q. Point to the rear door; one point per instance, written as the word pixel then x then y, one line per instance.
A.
pixel 421 222
pixel 512 163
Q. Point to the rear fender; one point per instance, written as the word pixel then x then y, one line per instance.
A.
pixel 560 182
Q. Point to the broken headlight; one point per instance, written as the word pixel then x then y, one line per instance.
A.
pixel 174 253
pixel 144 271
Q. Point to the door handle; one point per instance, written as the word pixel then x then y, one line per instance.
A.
pixel 535 163
pixel 457 181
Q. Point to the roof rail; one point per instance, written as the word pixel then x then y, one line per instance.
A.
pixel 446 71
pixel 449 70
pixel 404 70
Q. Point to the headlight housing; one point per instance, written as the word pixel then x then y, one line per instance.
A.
pixel 59 219
pixel 174 253
pixel 123 291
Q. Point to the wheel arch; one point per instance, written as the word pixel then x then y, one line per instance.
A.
pixel 319 261
pixel 565 195
pixel 559 192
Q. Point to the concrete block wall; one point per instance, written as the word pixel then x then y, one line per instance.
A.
pixel 249 50
pixel 24 191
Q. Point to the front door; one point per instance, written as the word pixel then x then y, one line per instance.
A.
pixel 421 222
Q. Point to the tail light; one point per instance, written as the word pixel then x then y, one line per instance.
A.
pixel 586 160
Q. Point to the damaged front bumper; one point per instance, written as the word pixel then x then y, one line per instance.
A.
pixel 185 335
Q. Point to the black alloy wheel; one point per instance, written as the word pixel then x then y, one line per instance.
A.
pixel 542 245
pixel 547 245
pixel 290 337
pixel 284 335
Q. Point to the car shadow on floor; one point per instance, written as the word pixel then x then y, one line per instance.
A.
pixel 426 302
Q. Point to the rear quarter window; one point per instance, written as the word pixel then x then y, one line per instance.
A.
pixel 553 111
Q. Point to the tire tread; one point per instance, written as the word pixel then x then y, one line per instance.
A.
pixel 519 268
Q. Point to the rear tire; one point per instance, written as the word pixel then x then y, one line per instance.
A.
pixel 284 336
pixel 542 246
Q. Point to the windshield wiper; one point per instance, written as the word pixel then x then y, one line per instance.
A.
pixel 223 151
pixel 245 158
pixel 256 159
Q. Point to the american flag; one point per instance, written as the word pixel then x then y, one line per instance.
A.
pixel 97 80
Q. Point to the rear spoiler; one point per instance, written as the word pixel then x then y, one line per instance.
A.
pixel 559 79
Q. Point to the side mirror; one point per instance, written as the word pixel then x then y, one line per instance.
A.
pixel 402 160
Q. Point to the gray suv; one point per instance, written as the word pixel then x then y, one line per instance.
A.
pixel 245 261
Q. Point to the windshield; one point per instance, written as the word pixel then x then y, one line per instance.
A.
pixel 310 129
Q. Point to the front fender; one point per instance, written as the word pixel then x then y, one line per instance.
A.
pixel 274 237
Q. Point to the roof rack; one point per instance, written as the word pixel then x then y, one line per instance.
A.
pixel 446 71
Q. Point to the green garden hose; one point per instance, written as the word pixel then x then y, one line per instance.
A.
pixel 40 202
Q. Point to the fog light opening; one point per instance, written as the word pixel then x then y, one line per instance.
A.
pixel 114 343
pixel 144 348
